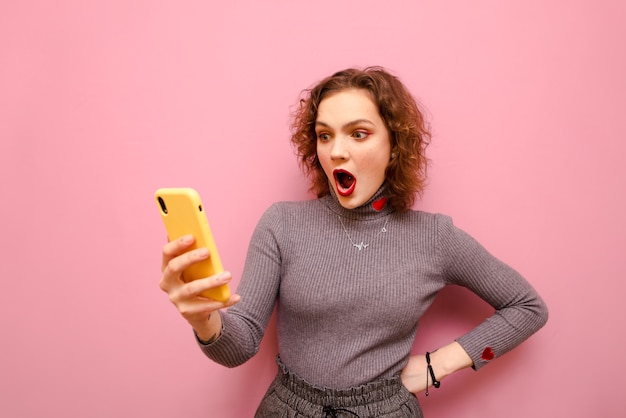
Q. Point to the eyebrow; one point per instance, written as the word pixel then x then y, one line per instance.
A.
pixel 347 125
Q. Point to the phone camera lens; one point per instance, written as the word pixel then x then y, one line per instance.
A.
pixel 162 204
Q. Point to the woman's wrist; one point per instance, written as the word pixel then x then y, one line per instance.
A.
pixel 449 359
pixel 209 330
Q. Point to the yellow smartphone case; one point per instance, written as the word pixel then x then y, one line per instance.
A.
pixel 183 214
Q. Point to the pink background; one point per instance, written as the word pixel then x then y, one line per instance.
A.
pixel 102 102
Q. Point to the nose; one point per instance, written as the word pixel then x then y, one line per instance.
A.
pixel 339 149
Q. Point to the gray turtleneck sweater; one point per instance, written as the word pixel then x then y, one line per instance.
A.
pixel 347 316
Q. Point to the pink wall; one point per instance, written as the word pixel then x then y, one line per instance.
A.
pixel 101 102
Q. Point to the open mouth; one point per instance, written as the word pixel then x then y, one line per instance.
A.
pixel 345 182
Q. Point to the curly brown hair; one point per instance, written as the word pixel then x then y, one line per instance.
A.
pixel 408 131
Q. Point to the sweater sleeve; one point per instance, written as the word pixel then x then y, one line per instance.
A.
pixel 244 324
pixel 519 310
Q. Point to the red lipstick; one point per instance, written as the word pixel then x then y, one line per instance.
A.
pixel 345 182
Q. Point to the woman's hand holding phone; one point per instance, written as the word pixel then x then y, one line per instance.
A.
pixel 186 296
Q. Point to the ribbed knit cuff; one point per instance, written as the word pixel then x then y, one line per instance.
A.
pixel 226 349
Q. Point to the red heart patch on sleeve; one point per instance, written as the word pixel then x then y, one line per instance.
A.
pixel 488 354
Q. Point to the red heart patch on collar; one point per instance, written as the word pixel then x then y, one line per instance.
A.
pixel 380 203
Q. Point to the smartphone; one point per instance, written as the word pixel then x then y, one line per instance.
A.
pixel 183 214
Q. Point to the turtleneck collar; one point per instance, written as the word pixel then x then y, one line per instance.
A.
pixel 376 207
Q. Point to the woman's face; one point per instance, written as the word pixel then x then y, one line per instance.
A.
pixel 353 145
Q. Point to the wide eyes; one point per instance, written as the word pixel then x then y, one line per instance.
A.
pixel 360 134
pixel 323 137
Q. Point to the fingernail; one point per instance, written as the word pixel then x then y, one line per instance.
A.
pixel 202 252
pixel 187 239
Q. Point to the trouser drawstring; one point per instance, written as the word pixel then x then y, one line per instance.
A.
pixel 332 412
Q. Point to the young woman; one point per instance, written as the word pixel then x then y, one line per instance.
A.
pixel 353 271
